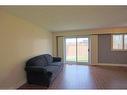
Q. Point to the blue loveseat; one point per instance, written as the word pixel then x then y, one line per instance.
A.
pixel 43 69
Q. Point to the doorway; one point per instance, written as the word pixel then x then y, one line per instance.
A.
pixel 77 50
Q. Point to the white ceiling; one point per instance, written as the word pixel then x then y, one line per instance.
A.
pixel 66 18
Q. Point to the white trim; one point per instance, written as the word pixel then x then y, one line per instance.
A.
pixel 60 50
pixel 19 84
pixel 111 64
pixel 101 64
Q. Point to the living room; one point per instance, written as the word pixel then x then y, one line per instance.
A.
pixel 90 42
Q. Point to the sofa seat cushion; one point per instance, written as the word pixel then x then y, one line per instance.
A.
pixel 56 63
pixel 53 69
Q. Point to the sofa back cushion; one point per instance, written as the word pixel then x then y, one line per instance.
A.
pixel 49 58
pixel 37 61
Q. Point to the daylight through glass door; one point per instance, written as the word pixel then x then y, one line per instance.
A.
pixel 76 49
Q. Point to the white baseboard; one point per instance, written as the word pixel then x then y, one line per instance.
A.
pixel 16 86
pixel 111 64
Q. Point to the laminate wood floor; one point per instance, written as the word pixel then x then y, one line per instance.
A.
pixel 88 77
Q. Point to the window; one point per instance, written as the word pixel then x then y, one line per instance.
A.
pixel 125 41
pixel 119 42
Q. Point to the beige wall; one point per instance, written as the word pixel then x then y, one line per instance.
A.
pixel 19 40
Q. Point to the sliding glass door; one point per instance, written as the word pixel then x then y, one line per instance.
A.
pixel 76 49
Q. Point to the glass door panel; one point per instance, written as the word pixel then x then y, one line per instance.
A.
pixel 82 50
pixel 70 49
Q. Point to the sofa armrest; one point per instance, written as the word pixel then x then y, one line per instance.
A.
pixel 37 69
pixel 56 59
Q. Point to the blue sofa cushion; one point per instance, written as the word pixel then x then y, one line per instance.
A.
pixel 56 63
pixel 49 58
